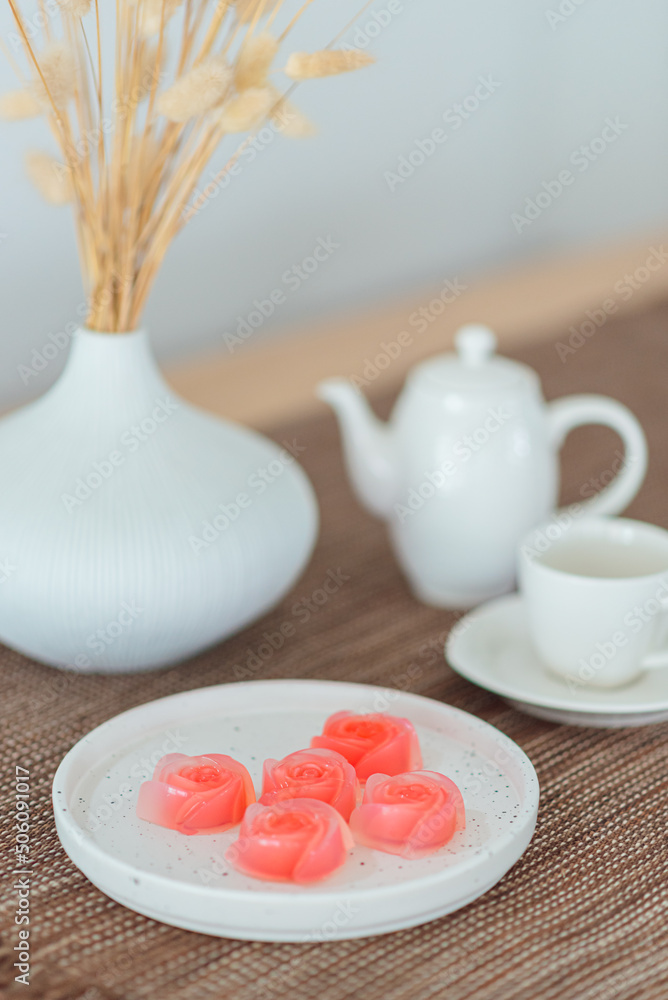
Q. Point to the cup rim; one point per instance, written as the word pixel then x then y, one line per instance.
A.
pixel 588 521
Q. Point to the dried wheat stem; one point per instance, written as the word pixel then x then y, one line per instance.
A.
pixel 130 192
pixel 294 20
pixel 103 194
pixel 31 54
pixel 62 134
pixel 170 219
pixel 192 26
pixel 76 160
pixel 348 26
pixel 219 15
pixel 18 72
pixel 274 14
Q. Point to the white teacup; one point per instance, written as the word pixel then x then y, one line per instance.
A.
pixel 596 597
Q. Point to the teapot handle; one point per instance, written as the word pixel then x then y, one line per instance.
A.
pixel 574 411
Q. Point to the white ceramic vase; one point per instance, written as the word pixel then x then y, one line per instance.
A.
pixel 135 529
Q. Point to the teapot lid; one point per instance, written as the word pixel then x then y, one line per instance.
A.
pixel 475 364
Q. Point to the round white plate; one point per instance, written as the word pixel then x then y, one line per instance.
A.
pixel 185 881
pixel 492 647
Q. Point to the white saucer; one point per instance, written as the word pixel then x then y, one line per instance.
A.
pixel 185 881
pixel 492 648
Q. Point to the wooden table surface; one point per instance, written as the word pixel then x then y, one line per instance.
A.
pixel 272 381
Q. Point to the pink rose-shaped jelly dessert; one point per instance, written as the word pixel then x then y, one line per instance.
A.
pixel 408 814
pixel 196 794
pixel 311 774
pixel 298 840
pixel 372 743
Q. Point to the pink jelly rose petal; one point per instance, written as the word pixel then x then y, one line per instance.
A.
pixel 372 743
pixel 411 814
pixel 311 774
pixel 192 795
pixel 296 840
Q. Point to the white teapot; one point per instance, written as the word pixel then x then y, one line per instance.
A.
pixel 468 463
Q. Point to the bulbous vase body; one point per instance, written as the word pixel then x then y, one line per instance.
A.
pixel 135 529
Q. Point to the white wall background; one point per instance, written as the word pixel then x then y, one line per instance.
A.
pixel 557 84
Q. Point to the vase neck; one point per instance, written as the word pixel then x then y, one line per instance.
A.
pixel 111 366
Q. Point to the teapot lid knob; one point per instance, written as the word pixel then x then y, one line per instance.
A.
pixel 475 343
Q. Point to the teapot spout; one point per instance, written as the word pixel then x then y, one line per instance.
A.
pixel 367 445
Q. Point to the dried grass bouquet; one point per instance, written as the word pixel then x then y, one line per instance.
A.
pixel 135 137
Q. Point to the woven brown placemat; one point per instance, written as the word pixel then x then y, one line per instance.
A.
pixel 582 916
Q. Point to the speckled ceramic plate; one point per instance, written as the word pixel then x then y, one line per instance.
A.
pixel 186 882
